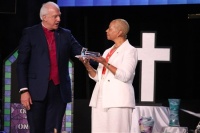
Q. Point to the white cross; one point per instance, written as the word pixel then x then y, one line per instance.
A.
pixel 148 54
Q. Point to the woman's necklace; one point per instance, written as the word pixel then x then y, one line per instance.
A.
pixel 108 57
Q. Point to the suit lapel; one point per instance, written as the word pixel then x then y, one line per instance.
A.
pixel 42 38
pixel 57 39
pixel 44 41
pixel 117 52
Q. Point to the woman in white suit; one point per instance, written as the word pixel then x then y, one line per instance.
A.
pixel 113 98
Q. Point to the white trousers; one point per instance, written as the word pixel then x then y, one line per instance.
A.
pixel 111 120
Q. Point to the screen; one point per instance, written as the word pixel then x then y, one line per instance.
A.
pixel 63 3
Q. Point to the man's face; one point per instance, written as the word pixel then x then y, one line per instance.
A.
pixel 52 19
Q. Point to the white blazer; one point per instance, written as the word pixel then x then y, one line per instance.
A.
pixel 117 90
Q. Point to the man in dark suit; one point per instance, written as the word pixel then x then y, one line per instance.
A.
pixel 42 70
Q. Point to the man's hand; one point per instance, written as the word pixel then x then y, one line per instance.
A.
pixel 26 100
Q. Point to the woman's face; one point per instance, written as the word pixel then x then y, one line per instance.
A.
pixel 112 31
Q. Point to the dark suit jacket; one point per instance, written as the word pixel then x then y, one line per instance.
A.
pixel 33 63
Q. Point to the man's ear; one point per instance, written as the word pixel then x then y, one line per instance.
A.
pixel 43 18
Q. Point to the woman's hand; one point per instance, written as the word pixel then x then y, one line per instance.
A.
pixel 85 61
pixel 89 68
pixel 99 60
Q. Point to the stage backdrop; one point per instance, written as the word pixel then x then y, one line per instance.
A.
pixel 177 78
pixel 15 120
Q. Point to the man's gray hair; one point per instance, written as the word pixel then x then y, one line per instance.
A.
pixel 45 8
